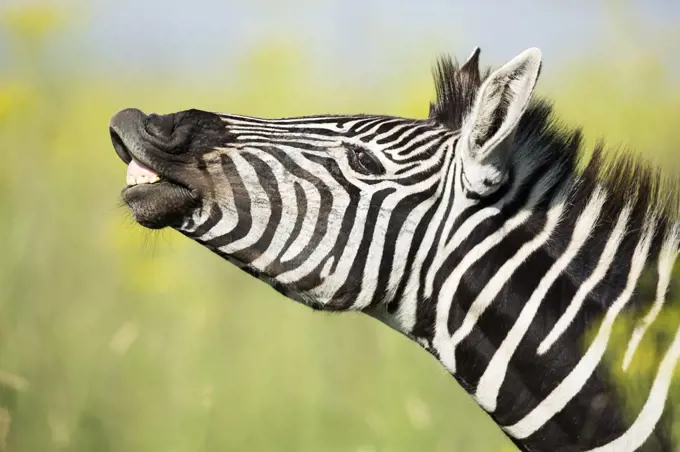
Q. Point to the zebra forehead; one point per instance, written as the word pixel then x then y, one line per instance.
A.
pixel 377 132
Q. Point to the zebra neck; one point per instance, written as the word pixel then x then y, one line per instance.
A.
pixel 545 316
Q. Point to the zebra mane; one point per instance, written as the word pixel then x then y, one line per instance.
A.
pixel 629 177
pixel 456 87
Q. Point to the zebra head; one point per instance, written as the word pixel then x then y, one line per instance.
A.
pixel 472 231
pixel 333 211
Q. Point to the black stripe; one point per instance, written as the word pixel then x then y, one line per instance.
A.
pixel 242 203
pixel 399 215
pixel 213 218
pixel 345 296
pixel 274 268
pixel 268 181
pixel 326 205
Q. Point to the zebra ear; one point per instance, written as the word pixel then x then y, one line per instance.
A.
pixel 488 130
pixel 471 67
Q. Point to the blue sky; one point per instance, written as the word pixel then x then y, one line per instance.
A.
pixel 367 36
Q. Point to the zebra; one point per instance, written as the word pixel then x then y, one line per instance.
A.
pixel 536 272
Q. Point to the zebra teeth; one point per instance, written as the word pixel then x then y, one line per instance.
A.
pixel 138 174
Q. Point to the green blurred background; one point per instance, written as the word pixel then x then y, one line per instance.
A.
pixel 116 339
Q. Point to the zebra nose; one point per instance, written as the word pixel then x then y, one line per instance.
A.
pixel 127 120
pixel 160 126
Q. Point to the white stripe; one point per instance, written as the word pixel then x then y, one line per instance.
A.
pixel 340 202
pixel 260 210
pixel 326 270
pixel 324 291
pixel 329 121
pixel 310 139
pixel 651 412
pixel 666 261
pixel 598 274
pixel 361 125
pixel 442 340
pixel 406 314
pixel 399 126
pixel 373 267
pixel 580 374
pixel 494 375
pixel 422 138
pixel 313 201
pixel 433 161
pixel 464 230
pixel 223 198
pixel 505 272
pixel 289 211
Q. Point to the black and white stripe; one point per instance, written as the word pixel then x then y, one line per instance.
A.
pixel 510 266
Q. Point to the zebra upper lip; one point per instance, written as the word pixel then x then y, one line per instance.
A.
pixel 119 146
pixel 138 172
pixel 130 139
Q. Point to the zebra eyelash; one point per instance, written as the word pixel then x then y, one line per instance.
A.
pixel 363 161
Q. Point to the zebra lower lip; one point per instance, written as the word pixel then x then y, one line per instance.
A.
pixel 160 204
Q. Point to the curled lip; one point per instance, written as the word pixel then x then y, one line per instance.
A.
pixel 125 155
pixel 172 189
pixel 119 146
pixel 127 150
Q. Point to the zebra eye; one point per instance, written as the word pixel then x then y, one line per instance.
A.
pixel 364 162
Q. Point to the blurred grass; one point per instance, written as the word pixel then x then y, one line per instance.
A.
pixel 115 339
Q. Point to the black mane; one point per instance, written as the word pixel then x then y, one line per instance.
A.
pixel 456 89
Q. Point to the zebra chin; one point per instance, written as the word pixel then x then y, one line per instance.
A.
pixel 159 205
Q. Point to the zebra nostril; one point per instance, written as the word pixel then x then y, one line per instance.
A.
pixel 160 126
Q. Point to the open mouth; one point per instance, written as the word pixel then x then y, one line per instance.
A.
pixel 155 200
pixel 137 173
